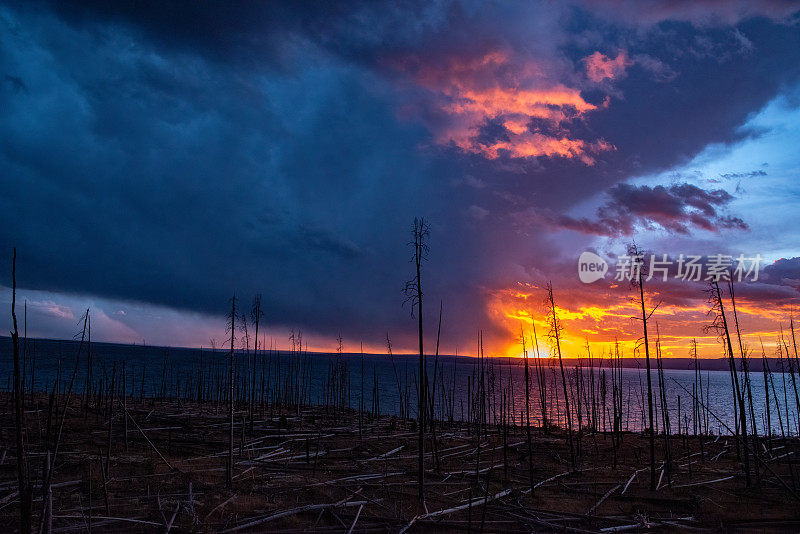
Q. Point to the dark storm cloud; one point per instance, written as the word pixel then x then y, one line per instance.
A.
pixel 249 34
pixel 735 175
pixel 176 155
pixel 777 284
pixel 785 271
pixel 492 131
pixel 438 39
pixel 165 178
pixel 676 208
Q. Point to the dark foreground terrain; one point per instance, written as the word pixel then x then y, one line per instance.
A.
pixel 308 470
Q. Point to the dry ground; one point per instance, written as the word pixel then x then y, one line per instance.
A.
pixel 312 471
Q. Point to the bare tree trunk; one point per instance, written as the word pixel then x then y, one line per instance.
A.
pixel 652 436
pixel 528 414
pixel 746 389
pixel 541 377
pixel 717 294
pixel 255 316
pixel 413 291
pixel 125 402
pixel 25 490
pixel 403 413
pixel 432 400
pixel 555 333
pixel 423 383
pixel 637 259
pixel 49 473
pixel 229 464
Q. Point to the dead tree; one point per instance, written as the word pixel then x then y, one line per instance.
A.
pixel 47 495
pixel 745 386
pixel 637 280
pixel 361 398
pixel 528 413
pixel 555 336
pixel 229 463
pixel 25 489
pixel 540 376
pixel 403 413
pixel 432 391
pixel 255 316
pixel 413 292
pixel 432 397
pixel 662 395
pixel 720 325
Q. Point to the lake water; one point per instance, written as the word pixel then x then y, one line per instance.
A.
pixel 148 369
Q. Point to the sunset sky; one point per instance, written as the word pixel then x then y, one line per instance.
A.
pixel 155 160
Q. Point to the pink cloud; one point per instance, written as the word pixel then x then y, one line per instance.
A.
pixel 600 67
pixel 500 90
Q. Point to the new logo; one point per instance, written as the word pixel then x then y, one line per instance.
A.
pixel 591 267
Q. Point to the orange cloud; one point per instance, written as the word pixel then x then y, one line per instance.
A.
pixel 527 145
pixel 603 316
pixel 551 103
pixel 494 88
pixel 556 105
pixel 600 67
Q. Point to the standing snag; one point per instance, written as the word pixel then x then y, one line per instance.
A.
pixel 528 414
pixel 25 490
pixel 413 292
pixel 555 336
pixel 255 317
pixel 637 280
pixel 719 324
pixel 229 464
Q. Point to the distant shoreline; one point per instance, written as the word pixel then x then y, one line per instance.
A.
pixel 705 364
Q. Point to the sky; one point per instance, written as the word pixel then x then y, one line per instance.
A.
pixel 156 159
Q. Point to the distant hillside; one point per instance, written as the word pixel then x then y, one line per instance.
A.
pixel 121 350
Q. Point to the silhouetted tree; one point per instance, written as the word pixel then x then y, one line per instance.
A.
pixel 720 325
pixel 413 292
pixel 555 336
pixel 255 316
pixel 229 465
pixel 528 414
pixel 25 490
pixel 639 270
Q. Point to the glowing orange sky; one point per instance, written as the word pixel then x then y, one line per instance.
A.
pixel 602 317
